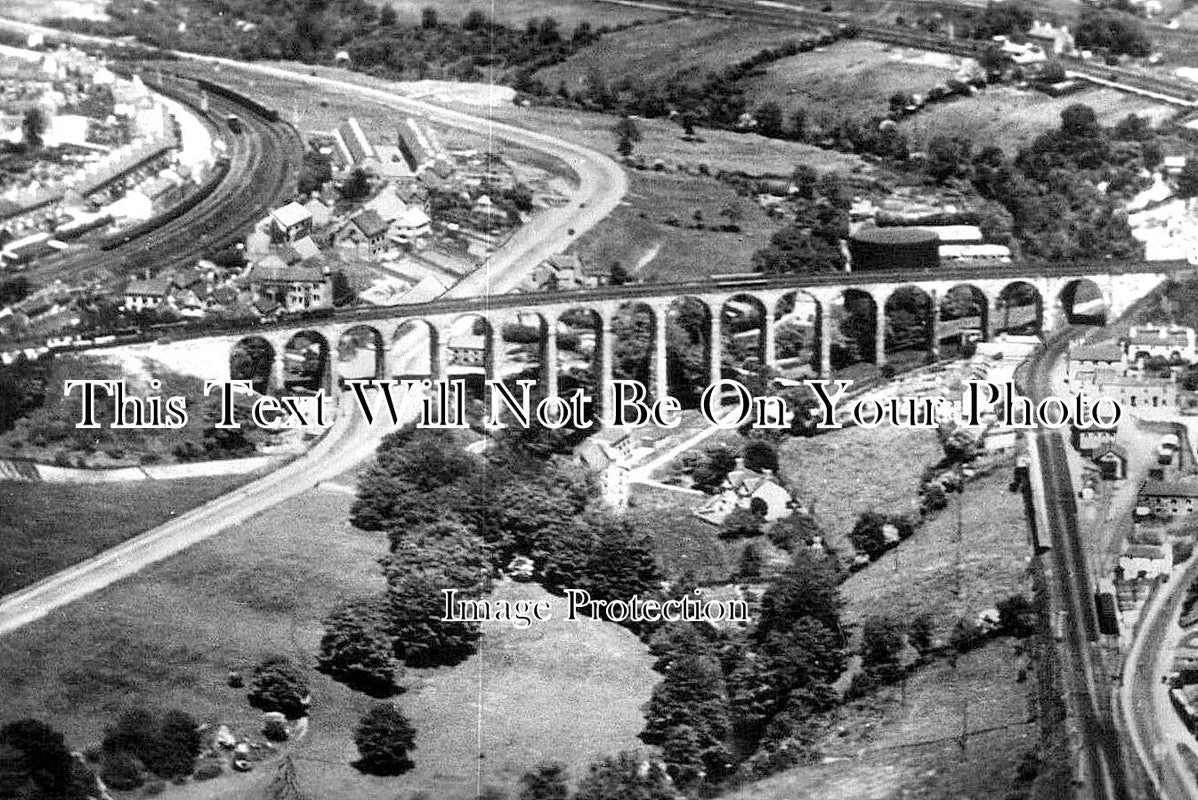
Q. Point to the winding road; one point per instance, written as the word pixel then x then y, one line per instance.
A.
pixel 601 185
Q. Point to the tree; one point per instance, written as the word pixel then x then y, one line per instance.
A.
pixel 626 776
pixel 425 562
pixel 33 128
pixel 882 638
pixel 279 685
pixel 177 748
pixel 1004 19
pixel 316 168
pixel 868 535
pixel 428 18
pixel 949 158
pixel 769 119
pixel 808 587
pixel 356 187
pixel 761 456
pixel 356 648
pixel 714 467
pixel 135 732
pixel 545 781
pixel 627 135
pixel 623 561
pixel 740 523
pixel 619 274
pixel 36 764
pixel 1187 179
pixel 388 17
pixel 343 292
pixel 1115 31
pixel 692 695
pixel 384 738
pixel 475 20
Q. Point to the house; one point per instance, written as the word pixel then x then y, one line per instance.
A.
pixel 294 287
pixel 1146 561
pixel 353 148
pixel 420 146
pixel 1056 40
pixel 147 294
pixel 1112 462
pixel 1166 499
pixel 365 233
pixel 1132 391
pixel 608 454
pixel 411 228
pixel 740 489
pixel 1173 165
pixel 1089 439
pixel 1086 359
pixel 290 222
pixel 1154 341
pixel 320 212
pixel 565 271
pixel 387 204
pixel 1021 54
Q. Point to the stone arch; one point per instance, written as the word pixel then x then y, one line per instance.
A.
pixel 742 332
pixel 798 318
pixel 306 362
pixel 634 342
pixel 252 358
pixel 470 349
pixel 580 352
pixel 361 353
pixel 908 312
pixel 525 343
pixel 1019 309
pixel 1082 301
pixel 414 349
pixel 854 329
pixel 964 318
pixel 688 349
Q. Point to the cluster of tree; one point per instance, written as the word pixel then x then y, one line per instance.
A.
pixel 279 685
pixel 1050 187
pixel 316 30
pixel 22 389
pixel 873 533
pixel 715 99
pixel 1112 31
pixel 890 647
pixel 810 242
pixel 141 741
pixel 36 764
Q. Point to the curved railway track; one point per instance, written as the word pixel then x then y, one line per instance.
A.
pixel 263 162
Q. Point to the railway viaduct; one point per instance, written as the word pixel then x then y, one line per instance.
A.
pixel 417 340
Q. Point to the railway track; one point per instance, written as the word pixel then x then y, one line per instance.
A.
pixel 263 163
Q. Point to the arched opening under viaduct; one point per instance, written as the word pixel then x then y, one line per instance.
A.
pixel 797 318
pixel 412 348
pixel 633 343
pixel 964 320
pixel 470 346
pixel 1083 303
pixel 579 356
pixel 854 329
pixel 1019 309
pixel 306 365
pixel 252 359
pixel 361 354
pixel 688 349
pixel 908 315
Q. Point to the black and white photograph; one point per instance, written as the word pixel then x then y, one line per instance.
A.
pixel 598 399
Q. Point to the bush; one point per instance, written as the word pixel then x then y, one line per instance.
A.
pixel 121 771
pixel 384 738
pixel 275 730
pixel 208 769
pixel 356 648
pixel 279 685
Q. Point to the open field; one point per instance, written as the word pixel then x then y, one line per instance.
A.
pixel 684 543
pixel 168 636
pixel 1009 118
pixel 515 13
pixel 921 575
pixel 636 234
pixel 824 81
pixel 47 527
pixel 844 473
pixel 885 748
pixel 653 53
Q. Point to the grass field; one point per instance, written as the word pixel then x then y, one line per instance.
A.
pixel 1008 118
pixel 168 636
pixel 652 53
pixel 684 543
pixel 886 748
pixel 568 13
pixel 844 473
pixel 637 236
pixel 855 77
pixel 920 574
pixel 40 523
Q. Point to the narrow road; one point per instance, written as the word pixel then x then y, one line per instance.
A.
pixel 601 185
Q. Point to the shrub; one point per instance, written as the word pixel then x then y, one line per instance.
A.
pixel 121 771
pixel 356 648
pixel 384 738
pixel 275 730
pixel 279 685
